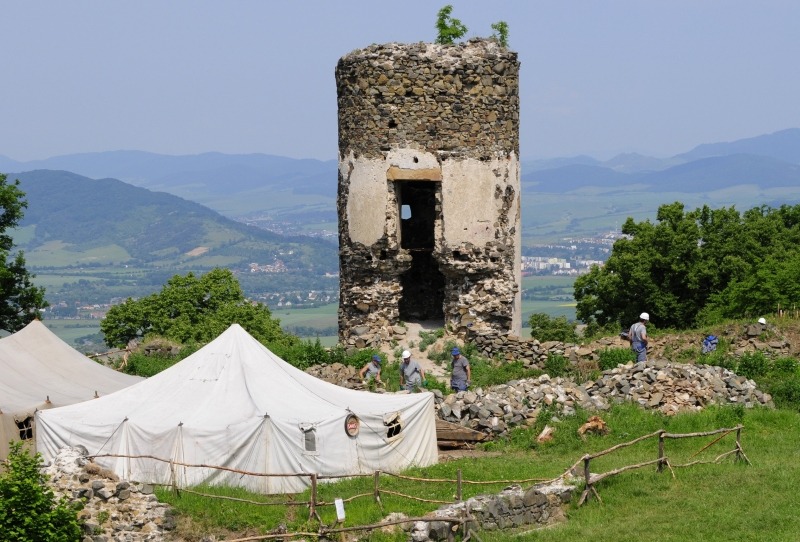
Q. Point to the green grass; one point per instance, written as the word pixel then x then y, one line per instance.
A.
pixel 324 316
pixel 58 254
pixel 542 281
pixel 70 329
pixel 728 501
pixel 547 287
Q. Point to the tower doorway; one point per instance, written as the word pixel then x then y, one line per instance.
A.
pixel 423 284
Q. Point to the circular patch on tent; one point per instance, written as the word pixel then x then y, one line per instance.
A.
pixel 352 425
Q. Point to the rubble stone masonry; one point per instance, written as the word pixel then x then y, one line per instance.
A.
pixel 429 189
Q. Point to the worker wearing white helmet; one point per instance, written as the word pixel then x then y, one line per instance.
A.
pixel 412 375
pixel 638 337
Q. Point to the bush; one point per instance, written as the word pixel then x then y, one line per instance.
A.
pixel 556 365
pixel 427 338
pixel 785 391
pixel 148 365
pixel 486 373
pixel 28 508
pixel 448 28
pixel 611 357
pixel 545 328
pixel 304 354
pixel 594 330
pixel 442 356
pixel 753 365
pixel 785 365
pixel 720 358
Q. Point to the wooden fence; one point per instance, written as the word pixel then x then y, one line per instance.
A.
pixel 662 461
pixel 459 482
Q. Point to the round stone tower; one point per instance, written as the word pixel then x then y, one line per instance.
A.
pixel 429 189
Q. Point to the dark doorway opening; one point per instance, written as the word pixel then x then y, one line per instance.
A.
pixel 423 284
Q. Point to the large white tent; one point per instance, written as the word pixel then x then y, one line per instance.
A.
pixel 39 371
pixel 235 404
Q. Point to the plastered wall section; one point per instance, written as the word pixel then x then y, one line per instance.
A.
pixel 368 202
pixel 476 206
pixel 472 209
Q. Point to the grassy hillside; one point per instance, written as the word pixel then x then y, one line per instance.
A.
pixel 69 215
pixel 712 503
pixel 92 241
pixel 704 494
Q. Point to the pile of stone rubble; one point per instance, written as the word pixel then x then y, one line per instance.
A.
pixel 658 385
pixel 113 510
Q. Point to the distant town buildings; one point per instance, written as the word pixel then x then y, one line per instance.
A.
pixel 277 267
pixel 571 257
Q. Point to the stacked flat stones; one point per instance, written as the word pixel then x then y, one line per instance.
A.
pixel 446 99
pixel 658 385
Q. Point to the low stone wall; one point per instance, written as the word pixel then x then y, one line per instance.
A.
pixel 113 510
pixel 512 507
pixel 533 353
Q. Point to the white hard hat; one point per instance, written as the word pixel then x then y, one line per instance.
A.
pixel 644 316
pixel 762 321
pixel 406 354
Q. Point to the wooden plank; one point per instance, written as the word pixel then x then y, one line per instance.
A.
pixel 447 431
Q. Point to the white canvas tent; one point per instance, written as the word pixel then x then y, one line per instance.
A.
pixel 38 371
pixel 237 405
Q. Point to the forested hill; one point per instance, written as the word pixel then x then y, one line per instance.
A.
pixel 68 209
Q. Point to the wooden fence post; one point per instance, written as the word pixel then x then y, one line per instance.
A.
pixel 661 451
pixel 458 485
pixel 588 477
pixel 174 478
pixel 312 504
pixel 739 443
pixel 376 492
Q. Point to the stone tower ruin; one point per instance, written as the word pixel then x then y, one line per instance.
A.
pixel 429 189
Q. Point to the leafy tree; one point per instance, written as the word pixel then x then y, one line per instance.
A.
pixel 191 309
pixel 28 508
pixel 501 32
pixel 20 300
pixel 449 29
pixel 694 267
pixel 545 328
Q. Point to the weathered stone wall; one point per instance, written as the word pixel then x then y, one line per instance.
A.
pixel 113 509
pixel 512 507
pixel 436 128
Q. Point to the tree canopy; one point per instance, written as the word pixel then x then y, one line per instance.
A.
pixel 696 267
pixel 20 300
pixel 192 310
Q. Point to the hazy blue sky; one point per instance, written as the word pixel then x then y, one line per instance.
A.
pixel 184 77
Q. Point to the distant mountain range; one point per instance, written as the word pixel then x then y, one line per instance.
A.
pixel 122 223
pixel 768 161
pixel 753 171
pixel 234 185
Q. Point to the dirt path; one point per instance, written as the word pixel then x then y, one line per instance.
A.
pixel 413 338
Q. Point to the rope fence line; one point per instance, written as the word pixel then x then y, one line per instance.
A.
pixel 474 482
pixel 314 501
pixel 341 530
pixel 590 481
pixel 246 501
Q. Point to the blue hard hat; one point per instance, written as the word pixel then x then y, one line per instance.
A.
pixel 455 351
pixel 377 358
